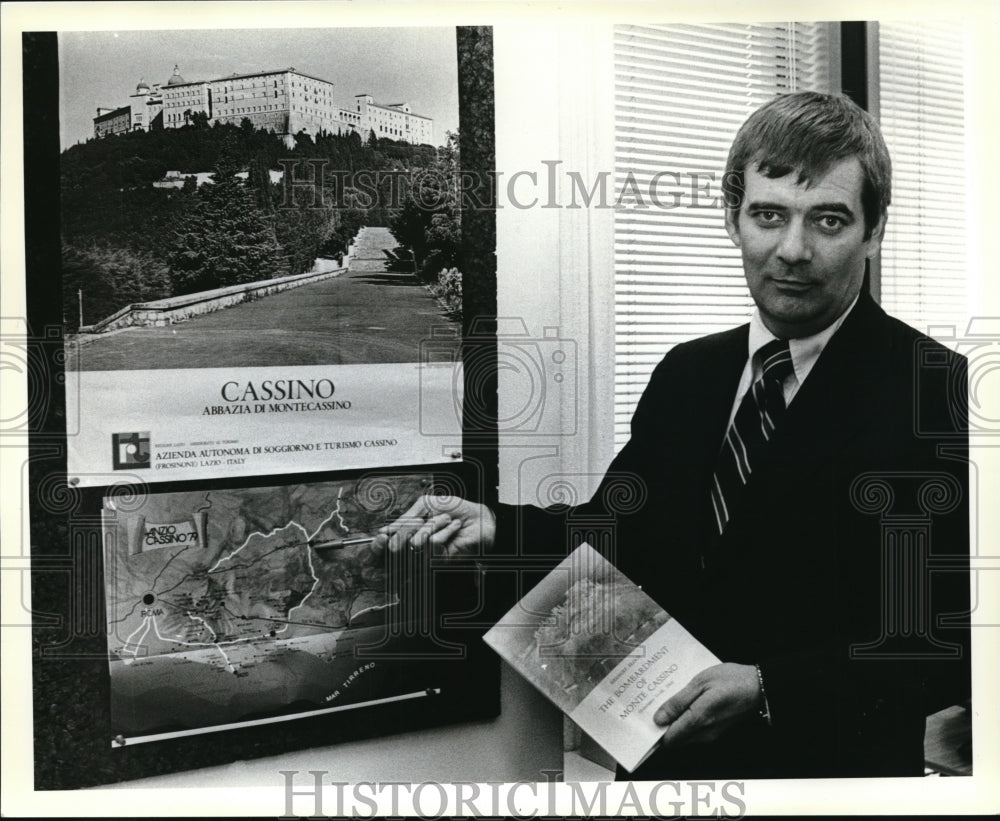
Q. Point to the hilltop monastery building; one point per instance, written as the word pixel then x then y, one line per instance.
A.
pixel 284 101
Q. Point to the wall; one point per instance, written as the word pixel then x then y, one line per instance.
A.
pixel 555 262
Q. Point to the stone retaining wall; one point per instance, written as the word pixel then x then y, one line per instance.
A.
pixel 175 309
pixel 178 308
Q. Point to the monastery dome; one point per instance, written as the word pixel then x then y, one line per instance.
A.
pixel 175 78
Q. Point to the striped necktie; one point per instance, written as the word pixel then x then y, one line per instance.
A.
pixel 759 414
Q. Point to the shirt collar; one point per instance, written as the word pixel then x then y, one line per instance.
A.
pixel 804 351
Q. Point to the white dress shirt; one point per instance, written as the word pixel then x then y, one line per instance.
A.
pixel 805 352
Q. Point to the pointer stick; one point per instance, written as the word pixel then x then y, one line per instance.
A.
pixel 337 544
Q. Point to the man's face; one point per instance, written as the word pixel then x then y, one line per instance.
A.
pixel 803 246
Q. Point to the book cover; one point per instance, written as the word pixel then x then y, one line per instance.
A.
pixel 602 650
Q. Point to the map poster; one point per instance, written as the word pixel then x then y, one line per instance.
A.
pixel 259 236
pixel 244 606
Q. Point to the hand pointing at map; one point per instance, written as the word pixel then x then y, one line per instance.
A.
pixel 447 525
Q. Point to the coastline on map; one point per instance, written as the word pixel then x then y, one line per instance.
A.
pixel 201 689
pixel 221 605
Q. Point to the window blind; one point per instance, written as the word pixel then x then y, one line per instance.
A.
pixel 681 93
pixel 922 116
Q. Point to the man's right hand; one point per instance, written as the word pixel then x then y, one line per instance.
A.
pixel 448 525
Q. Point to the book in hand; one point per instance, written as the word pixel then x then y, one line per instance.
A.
pixel 602 650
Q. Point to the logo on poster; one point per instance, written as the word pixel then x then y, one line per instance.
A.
pixel 130 450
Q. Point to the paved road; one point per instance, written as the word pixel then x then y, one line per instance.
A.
pixel 365 315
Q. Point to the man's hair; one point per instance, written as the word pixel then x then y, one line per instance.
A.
pixel 809 132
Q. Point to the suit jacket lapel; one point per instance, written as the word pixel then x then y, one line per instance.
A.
pixel 831 407
pixel 835 401
pixel 712 402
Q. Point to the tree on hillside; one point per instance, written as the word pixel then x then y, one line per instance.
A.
pixel 259 181
pixel 106 279
pixel 429 221
pixel 303 224
pixel 350 218
pixel 214 235
pixel 225 239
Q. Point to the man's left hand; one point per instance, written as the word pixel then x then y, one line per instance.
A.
pixel 710 703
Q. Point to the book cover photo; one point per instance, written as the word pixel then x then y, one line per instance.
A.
pixel 602 650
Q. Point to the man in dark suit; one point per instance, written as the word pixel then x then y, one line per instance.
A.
pixel 792 482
